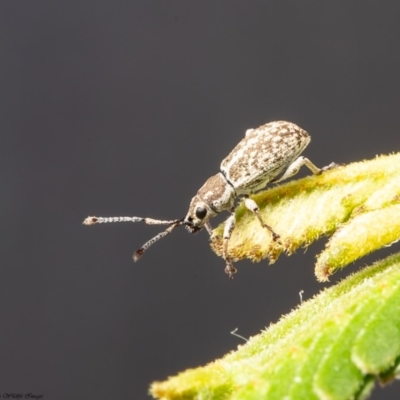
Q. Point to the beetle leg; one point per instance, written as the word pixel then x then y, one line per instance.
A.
pixel 208 227
pixel 229 226
pixel 295 166
pixel 252 206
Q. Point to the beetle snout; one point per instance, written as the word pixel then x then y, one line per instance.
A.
pixel 191 227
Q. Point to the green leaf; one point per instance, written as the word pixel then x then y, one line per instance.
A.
pixel 331 347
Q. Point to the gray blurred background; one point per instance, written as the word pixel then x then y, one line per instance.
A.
pixel 126 108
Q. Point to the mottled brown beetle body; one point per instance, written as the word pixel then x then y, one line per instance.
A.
pixel 263 154
pixel 259 157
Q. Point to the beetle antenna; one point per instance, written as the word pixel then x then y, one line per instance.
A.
pixel 148 221
pixel 138 253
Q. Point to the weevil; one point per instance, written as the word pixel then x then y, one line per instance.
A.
pixel 259 158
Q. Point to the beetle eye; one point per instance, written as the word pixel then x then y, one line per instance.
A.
pixel 201 212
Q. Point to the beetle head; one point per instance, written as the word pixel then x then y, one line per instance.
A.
pixel 214 196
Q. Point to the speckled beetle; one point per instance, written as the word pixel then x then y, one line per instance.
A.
pixel 259 158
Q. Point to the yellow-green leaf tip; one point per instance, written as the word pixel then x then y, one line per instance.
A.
pixel 358 205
